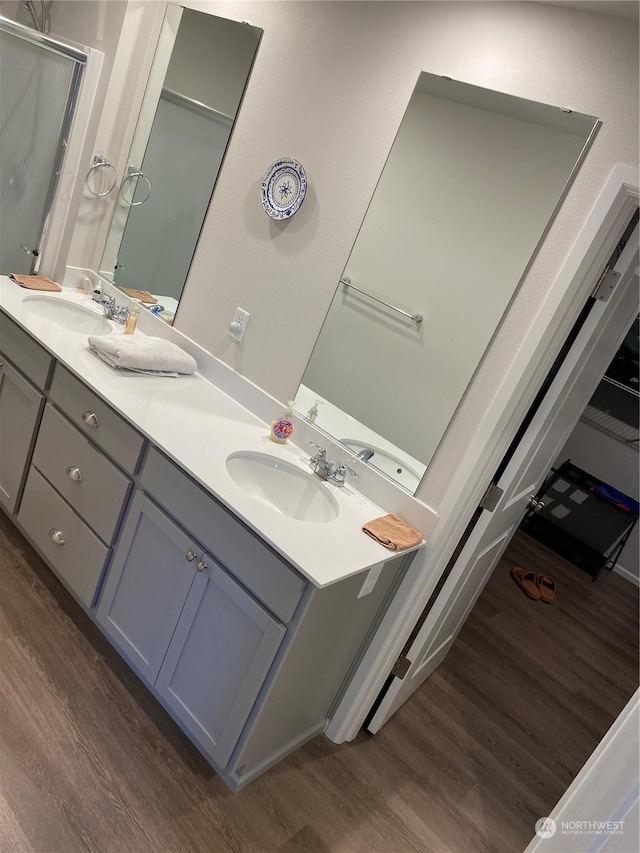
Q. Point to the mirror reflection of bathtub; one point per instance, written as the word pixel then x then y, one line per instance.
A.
pixel 386 457
pixel 466 195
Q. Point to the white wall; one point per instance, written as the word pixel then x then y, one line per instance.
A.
pixel 329 87
pixel 610 460
pixel 463 200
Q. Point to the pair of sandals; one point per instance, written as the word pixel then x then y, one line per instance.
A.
pixel 536 587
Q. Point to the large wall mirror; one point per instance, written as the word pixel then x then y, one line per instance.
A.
pixel 199 74
pixel 469 187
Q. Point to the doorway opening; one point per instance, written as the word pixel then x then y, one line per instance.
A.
pixel 603 326
pixel 540 444
pixel 445 588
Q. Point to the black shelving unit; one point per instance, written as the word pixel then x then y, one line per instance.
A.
pixel 577 517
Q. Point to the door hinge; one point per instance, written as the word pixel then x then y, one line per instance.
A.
pixel 401 667
pixel 606 284
pixel 491 497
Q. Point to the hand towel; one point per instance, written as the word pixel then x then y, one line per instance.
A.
pixel 142 295
pixel 392 532
pixel 142 354
pixel 35 282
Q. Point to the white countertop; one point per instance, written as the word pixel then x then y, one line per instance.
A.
pixel 198 426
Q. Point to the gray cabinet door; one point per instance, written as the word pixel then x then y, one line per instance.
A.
pixel 20 407
pixel 218 659
pixel 147 585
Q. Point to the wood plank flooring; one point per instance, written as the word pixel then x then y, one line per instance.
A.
pixel 90 762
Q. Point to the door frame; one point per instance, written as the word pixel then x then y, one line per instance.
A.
pixel 575 283
pixel 583 363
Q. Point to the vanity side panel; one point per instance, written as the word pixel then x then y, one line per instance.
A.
pixel 330 632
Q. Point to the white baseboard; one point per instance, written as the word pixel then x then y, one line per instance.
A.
pixel 630 576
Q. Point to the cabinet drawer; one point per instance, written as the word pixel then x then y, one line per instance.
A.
pixel 81 474
pixel 248 558
pixel 28 356
pixel 106 428
pixel 81 557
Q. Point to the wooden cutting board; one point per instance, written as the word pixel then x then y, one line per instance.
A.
pixel 35 282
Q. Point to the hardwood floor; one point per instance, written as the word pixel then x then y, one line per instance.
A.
pixel 89 761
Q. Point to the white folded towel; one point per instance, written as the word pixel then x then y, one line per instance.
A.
pixel 142 354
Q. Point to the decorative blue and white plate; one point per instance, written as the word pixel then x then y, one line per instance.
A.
pixel 283 188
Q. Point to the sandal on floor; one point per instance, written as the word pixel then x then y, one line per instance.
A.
pixel 546 587
pixel 526 581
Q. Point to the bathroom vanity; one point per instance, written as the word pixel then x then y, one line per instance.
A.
pixel 242 621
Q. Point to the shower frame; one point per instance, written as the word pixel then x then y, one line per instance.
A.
pixel 80 58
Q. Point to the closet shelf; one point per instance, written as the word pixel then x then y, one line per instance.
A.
pixel 613 427
pixel 621 386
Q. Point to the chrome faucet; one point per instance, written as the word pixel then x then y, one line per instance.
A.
pixel 112 311
pixel 365 454
pixel 324 469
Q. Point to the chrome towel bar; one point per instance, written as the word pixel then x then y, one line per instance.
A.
pixel 417 318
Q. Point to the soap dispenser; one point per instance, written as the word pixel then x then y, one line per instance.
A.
pixel 282 427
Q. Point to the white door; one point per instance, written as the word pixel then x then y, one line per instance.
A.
pixel 577 379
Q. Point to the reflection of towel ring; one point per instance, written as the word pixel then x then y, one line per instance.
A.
pixel 101 162
pixel 134 172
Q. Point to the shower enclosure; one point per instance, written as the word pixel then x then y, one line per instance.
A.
pixel 39 84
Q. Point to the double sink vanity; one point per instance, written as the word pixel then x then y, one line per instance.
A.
pixel 236 584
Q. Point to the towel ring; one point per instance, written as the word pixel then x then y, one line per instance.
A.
pixel 101 162
pixel 134 172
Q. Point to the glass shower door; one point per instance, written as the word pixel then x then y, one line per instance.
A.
pixel 39 78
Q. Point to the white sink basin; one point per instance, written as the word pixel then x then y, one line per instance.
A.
pixel 67 315
pixel 284 487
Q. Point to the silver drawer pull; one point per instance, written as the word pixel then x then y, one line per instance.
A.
pixel 56 536
pixel 201 565
pixel 191 555
pixel 74 474
pixel 90 418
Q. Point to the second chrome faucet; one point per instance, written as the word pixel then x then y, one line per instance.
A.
pixel 326 470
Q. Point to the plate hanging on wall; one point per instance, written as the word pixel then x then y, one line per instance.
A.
pixel 283 188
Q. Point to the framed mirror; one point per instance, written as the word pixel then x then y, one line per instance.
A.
pixel 466 195
pixel 200 71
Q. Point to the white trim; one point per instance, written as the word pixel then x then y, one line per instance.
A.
pixel 550 329
pixel 605 788
pixel 72 174
pixel 628 575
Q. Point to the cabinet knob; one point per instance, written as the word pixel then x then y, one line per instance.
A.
pixel 56 536
pixel 191 555
pixel 90 418
pixel 201 565
pixel 74 474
